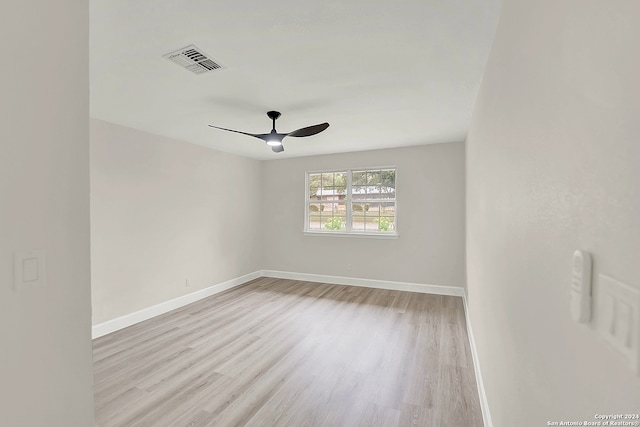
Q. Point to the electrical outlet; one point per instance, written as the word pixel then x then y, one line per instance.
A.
pixel 349 267
pixel 619 318
pixel 186 283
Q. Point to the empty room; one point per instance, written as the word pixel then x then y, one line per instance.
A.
pixel 413 213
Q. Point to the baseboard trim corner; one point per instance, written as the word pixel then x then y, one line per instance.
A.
pixel 484 403
pixel 122 322
pixel 367 283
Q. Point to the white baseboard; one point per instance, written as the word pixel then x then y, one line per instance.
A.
pixel 484 403
pixel 367 283
pixel 156 310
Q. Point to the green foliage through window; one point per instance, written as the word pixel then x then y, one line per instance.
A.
pixel 334 223
pixel 384 223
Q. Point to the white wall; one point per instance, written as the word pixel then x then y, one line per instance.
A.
pixel 553 165
pixel 45 358
pixel 431 210
pixel 164 212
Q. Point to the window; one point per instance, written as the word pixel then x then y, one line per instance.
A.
pixel 353 201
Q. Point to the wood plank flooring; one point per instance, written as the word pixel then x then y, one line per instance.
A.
pixel 279 352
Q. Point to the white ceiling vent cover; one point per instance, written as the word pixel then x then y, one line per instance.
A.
pixel 193 59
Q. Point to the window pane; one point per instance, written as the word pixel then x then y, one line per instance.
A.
pixel 332 186
pixel 340 182
pixel 315 216
pixel 334 216
pixel 374 209
pixel 379 192
pixel 388 177
pixel 380 208
pixel 315 208
pixel 388 182
pixel 314 185
pixel 388 208
pixel 360 209
pixel 324 183
pixel 371 223
pixel 357 224
pixel 387 192
pixel 386 223
pixel 327 179
pixel 373 216
pixel 334 223
pixel 359 192
pixel 358 216
pixel 373 184
pixel 373 178
pixel 359 178
pixel 335 209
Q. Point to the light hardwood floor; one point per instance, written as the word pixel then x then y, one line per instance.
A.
pixel 279 352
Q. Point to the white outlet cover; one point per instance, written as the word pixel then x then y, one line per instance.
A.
pixel 619 318
pixel 29 268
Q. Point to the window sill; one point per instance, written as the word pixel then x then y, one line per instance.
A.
pixel 384 236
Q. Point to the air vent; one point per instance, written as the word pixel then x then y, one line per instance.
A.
pixel 193 59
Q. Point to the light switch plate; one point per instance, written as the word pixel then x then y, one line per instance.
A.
pixel 580 292
pixel 619 318
pixel 29 268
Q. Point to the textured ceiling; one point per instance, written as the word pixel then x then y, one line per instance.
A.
pixel 383 74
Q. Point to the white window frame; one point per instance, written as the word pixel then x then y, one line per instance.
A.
pixel 348 232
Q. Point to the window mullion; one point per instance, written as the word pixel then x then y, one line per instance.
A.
pixel 349 213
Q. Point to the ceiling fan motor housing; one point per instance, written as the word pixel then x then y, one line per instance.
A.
pixel 273 115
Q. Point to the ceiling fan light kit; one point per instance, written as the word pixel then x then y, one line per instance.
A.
pixel 274 139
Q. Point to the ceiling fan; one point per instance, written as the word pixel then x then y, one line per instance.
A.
pixel 274 139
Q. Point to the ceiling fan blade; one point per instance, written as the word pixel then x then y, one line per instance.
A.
pixel 310 130
pixel 273 138
pixel 255 135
